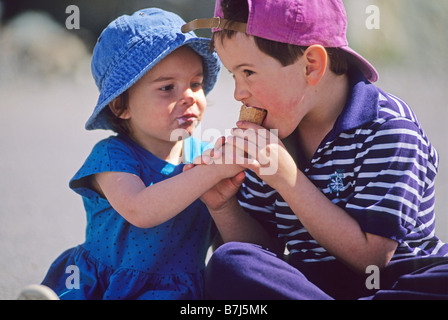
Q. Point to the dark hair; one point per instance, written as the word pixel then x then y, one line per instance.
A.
pixel 115 109
pixel 285 53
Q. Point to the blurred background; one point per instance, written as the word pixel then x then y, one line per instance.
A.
pixel 47 94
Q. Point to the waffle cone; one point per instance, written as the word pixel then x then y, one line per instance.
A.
pixel 252 114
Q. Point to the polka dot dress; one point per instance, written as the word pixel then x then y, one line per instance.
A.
pixel 121 261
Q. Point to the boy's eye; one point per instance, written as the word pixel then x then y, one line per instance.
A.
pixel 248 73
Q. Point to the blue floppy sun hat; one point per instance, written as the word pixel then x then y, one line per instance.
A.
pixel 132 45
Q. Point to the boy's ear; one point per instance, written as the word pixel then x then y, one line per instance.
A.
pixel 316 58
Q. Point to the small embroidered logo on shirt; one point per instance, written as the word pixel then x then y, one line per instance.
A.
pixel 336 184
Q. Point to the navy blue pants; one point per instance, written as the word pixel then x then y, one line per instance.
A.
pixel 242 271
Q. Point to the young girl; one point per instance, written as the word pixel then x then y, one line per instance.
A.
pixel 147 234
pixel 353 192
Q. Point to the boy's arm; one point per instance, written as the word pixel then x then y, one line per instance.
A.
pixel 147 207
pixel 331 226
pixel 233 223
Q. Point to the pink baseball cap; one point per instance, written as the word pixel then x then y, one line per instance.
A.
pixel 298 22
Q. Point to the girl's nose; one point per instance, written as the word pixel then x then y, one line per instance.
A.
pixel 188 97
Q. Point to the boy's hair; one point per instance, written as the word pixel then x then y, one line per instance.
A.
pixel 285 53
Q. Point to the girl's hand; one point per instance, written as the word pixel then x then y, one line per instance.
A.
pixel 264 154
pixel 233 176
pixel 221 158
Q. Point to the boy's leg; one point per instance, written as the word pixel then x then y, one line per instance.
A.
pixel 415 278
pixel 246 271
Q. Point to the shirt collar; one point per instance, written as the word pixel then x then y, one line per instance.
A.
pixel 361 106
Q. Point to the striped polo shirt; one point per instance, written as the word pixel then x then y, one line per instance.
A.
pixel 377 164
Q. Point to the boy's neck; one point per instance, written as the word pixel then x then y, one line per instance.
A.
pixel 329 100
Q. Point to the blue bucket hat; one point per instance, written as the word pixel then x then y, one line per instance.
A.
pixel 132 45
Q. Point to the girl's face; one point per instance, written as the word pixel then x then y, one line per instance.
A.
pixel 168 101
pixel 261 81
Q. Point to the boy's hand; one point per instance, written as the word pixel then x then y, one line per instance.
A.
pixel 265 154
pixel 217 197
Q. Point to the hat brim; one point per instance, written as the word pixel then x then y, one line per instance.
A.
pixel 130 71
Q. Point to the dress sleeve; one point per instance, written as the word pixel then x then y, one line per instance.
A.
pixel 107 155
pixel 395 176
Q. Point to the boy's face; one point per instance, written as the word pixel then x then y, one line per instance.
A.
pixel 261 81
pixel 166 98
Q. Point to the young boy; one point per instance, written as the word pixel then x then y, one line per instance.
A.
pixel 354 187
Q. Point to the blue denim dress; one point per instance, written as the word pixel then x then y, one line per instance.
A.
pixel 121 261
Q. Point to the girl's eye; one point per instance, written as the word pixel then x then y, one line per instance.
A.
pixel 196 85
pixel 167 88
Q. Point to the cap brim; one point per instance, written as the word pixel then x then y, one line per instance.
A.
pixel 367 69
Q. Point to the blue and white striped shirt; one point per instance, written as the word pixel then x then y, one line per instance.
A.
pixel 377 164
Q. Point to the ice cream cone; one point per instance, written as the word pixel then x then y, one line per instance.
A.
pixel 252 114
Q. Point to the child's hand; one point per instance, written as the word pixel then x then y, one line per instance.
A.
pixel 222 158
pixel 217 197
pixel 265 154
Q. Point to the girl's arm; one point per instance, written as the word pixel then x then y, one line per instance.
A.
pixel 233 223
pixel 146 207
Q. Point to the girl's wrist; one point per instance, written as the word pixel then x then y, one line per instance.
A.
pixel 210 171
